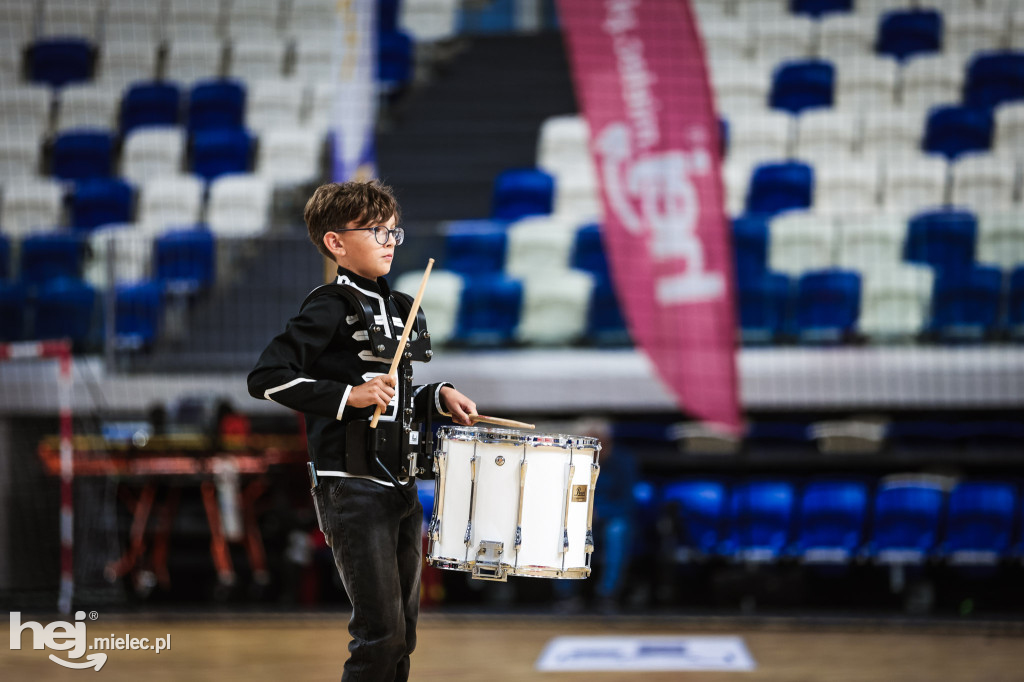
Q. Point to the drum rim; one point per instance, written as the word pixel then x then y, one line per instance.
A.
pixel 563 440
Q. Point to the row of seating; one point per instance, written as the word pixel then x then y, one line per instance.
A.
pixel 233 204
pixel 899 520
pixel 51 301
pixel 899 33
pixel 58 62
pixel 153 19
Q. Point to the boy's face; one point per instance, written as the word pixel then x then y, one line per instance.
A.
pixel 359 251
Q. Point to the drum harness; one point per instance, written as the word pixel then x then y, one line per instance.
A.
pixel 393 448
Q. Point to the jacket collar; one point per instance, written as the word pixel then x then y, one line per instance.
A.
pixel 379 285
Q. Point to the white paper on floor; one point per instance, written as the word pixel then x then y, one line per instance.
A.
pixel 611 652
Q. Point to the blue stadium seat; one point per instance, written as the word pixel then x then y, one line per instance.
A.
pixel 605 324
pixel 82 154
pixel 498 16
pixel 833 514
pixel 49 256
pixel 994 78
pixel 185 260
pixel 12 311
pixel 827 305
pixel 979 522
pixel 906 522
pixel 699 507
pixel 5 257
pixel 394 61
pixel 921 435
pixel 59 61
pixel 953 130
pixel 943 239
pixel 1015 304
pixel 645 498
pixel 776 187
pixel 387 15
pixel 965 306
pixel 762 515
pixel 522 192
pixel 817 8
pixel 779 434
pixel 489 311
pixel 801 85
pixel 221 151
pixel 150 104
pixel 425 491
pixel 216 104
pixel 139 309
pixel 764 306
pixel 750 244
pixel 66 308
pixel 101 201
pixel 905 33
pixel 475 246
pixel 588 251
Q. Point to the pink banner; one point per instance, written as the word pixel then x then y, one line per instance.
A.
pixel 640 77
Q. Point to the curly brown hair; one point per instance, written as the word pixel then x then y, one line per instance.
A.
pixel 334 205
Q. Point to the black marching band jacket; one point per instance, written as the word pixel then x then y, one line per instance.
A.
pixel 330 347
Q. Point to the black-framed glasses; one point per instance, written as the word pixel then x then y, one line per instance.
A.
pixel 380 233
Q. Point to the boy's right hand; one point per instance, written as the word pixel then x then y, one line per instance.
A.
pixel 377 391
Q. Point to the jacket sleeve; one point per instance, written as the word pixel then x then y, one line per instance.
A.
pixel 282 372
pixel 428 397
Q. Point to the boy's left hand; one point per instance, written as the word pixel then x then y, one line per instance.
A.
pixel 459 405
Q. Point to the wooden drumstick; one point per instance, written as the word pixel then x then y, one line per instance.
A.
pixel 405 336
pixel 500 421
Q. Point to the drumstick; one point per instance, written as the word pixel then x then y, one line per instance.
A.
pixel 405 336
pixel 500 421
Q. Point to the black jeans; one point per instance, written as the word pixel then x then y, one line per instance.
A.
pixel 375 534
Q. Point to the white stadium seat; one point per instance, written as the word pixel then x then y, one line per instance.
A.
pixel 189 61
pixel 727 40
pixel 1009 133
pixel 563 144
pixel 914 182
pixel 784 37
pixel 895 302
pixel 26 108
pixel 761 10
pixel 321 103
pixel 576 196
pixel 765 135
pixel 440 301
pixel 168 202
pixel 87 106
pixel 827 132
pixel 273 104
pixel 31 204
pixel 866 82
pixel 314 61
pixel 429 20
pixel 122 62
pixel 258 57
pixel 1001 238
pixel 290 156
pixel 153 151
pixel 538 243
pixel 20 155
pixel 555 305
pixel 130 248
pixel 131 20
pixel 843 35
pixel 973 31
pixel 70 18
pixel 741 87
pixel 799 241
pixel 196 20
pixel 239 205
pixel 892 132
pixel 252 19
pixel 984 181
pixel 870 241
pixel 309 15
pixel 846 186
pixel 931 79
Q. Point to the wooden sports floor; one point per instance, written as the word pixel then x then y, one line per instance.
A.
pixel 505 648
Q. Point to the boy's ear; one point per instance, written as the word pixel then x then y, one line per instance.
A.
pixel 332 240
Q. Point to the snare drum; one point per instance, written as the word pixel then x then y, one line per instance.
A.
pixel 513 503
